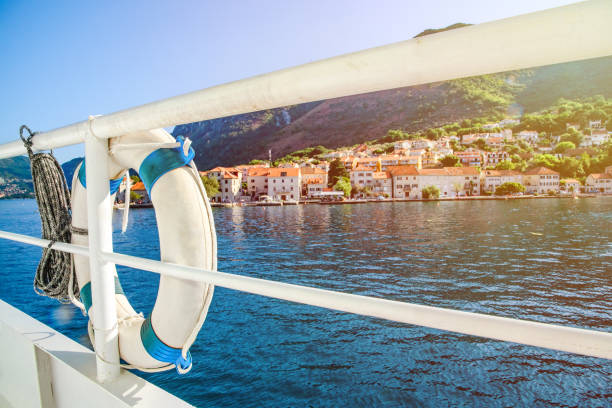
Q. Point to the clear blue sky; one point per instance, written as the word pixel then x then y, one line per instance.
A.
pixel 62 61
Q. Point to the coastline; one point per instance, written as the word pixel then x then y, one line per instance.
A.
pixel 392 200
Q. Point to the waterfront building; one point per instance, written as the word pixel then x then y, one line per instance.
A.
pixel 451 181
pixel 382 184
pixel 284 184
pixel 361 176
pixel 569 186
pixel 230 183
pixel 313 173
pixel 314 187
pixel 599 182
pixel 277 183
pixel 541 180
pixel 491 179
pixel 405 183
pixel 244 168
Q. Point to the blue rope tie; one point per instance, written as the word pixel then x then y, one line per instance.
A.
pixel 113 183
pixel 160 350
pixel 161 161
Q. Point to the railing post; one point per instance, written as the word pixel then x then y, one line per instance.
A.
pixel 99 222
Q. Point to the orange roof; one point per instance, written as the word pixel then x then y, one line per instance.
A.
pixel 497 173
pixel 138 186
pixel 601 176
pixel 361 168
pixel 312 170
pixel 539 171
pixel 257 171
pixel 450 171
pixel 407 170
pixel 274 172
pixel 284 172
pixel 224 169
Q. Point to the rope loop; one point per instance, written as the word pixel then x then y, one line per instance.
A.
pixel 27 142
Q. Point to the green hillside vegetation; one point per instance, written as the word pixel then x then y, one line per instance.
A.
pixel 550 121
pixel 15 168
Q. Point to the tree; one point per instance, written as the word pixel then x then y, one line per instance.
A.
pixel 573 136
pixel 336 172
pixel 457 187
pixel 504 165
pixel 134 196
pixel 344 185
pixel 509 188
pixel 256 161
pixel 564 146
pixel 431 192
pixel 211 185
pixel 450 161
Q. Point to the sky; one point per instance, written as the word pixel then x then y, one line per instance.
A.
pixel 65 60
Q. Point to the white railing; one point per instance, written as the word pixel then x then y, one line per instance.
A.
pixel 570 33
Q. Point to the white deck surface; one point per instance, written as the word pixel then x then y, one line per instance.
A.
pixel 40 367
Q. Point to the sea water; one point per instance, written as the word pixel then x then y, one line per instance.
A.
pixel 546 260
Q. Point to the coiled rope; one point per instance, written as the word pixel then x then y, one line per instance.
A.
pixel 55 275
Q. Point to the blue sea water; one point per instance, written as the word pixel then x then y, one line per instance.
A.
pixel 545 260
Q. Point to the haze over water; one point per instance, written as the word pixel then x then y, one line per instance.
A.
pixel 545 260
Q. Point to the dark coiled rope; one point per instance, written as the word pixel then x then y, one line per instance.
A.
pixel 55 273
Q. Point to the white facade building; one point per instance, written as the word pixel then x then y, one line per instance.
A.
pixel 230 182
pixel 541 180
pixel 495 178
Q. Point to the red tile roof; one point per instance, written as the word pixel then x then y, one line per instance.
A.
pixel 540 171
pixel 407 170
pixel 498 173
pixel 312 170
pixel 601 176
pixel 450 171
pixel 138 186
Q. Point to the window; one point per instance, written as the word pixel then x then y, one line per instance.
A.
pixel 283 174
pixel 283 180
pixel 226 189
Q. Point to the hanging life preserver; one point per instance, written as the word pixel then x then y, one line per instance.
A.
pixel 187 236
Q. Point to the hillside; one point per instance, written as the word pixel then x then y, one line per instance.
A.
pixel 354 119
pixel 15 178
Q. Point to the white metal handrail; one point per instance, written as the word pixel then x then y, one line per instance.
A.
pixel 575 32
pixel 574 340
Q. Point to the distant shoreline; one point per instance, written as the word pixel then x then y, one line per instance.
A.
pixel 393 200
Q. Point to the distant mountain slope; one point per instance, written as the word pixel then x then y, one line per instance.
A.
pixel 15 168
pixel 354 119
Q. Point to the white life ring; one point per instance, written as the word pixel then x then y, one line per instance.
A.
pixel 186 236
